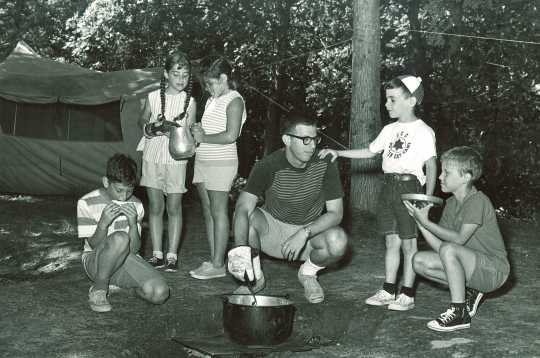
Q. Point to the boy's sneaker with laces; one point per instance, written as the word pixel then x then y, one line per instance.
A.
pixel 98 300
pixel 172 265
pixel 451 320
pixel 472 300
pixel 381 298
pixel 402 303
pixel 156 262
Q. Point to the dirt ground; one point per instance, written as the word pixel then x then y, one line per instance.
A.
pixel 44 310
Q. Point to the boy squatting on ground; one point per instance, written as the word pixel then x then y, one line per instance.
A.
pixel 109 221
pixel 407 145
pixel 468 249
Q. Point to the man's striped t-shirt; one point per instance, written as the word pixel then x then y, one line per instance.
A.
pixel 89 209
pixel 294 195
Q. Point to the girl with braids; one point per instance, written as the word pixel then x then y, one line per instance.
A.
pixel 216 161
pixel 162 175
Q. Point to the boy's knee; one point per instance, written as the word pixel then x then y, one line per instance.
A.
pixel 118 241
pixel 409 247
pixel 336 241
pixel 418 263
pixel 156 291
pixel 447 250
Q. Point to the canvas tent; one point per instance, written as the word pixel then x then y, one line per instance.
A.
pixel 59 123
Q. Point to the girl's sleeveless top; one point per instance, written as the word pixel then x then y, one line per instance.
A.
pixel 156 149
pixel 214 120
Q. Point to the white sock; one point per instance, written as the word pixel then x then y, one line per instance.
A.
pixel 158 254
pixel 171 255
pixel 308 268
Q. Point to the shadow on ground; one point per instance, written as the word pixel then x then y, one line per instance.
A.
pixel 43 292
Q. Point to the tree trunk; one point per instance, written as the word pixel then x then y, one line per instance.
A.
pixel 365 102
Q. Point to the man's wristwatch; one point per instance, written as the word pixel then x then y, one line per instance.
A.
pixel 307 230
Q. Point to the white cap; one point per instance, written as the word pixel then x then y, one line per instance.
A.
pixel 412 83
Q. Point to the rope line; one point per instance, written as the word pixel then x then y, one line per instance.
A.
pixel 477 37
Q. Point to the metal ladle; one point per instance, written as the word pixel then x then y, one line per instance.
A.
pixel 250 284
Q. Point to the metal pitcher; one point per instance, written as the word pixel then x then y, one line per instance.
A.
pixel 181 143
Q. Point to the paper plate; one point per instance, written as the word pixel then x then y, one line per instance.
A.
pixel 421 200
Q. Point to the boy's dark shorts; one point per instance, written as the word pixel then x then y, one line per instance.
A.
pixel 392 215
pixel 490 272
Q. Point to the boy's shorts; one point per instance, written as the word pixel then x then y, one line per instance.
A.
pixel 135 271
pixel 275 236
pixel 489 273
pixel 169 178
pixel 215 175
pixel 392 215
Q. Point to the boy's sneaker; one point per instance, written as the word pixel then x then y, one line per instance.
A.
pixel 156 262
pixel 98 300
pixel 451 320
pixel 472 300
pixel 381 298
pixel 202 267
pixel 402 303
pixel 210 272
pixel 172 265
pixel 312 289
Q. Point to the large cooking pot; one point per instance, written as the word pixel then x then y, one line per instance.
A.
pixel 269 321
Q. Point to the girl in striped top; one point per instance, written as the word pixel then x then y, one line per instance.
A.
pixel 216 161
pixel 162 175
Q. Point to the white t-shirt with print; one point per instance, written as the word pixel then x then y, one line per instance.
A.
pixel 405 147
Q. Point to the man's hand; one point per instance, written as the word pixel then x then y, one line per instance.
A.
pixel 292 247
pixel 324 152
pixel 109 213
pixel 240 263
pixel 419 214
pixel 129 210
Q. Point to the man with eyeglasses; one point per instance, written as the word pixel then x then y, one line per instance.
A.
pixel 303 206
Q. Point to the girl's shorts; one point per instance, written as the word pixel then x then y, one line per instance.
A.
pixel 215 175
pixel 169 178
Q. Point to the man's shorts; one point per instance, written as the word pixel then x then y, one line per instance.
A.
pixel 392 215
pixel 215 175
pixel 489 273
pixel 135 271
pixel 275 236
pixel 169 178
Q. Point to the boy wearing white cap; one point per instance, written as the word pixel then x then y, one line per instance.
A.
pixel 407 146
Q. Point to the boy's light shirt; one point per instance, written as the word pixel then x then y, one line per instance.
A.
pixel 405 147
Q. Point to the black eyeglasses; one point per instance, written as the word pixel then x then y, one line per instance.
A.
pixel 307 140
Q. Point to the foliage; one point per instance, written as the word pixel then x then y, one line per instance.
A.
pixel 478 91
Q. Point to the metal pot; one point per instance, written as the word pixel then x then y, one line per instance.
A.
pixel 268 322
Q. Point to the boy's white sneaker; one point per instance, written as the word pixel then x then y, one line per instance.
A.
pixel 98 300
pixel 381 298
pixel 402 303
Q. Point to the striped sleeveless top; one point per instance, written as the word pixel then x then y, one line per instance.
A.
pixel 156 149
pixel 214 120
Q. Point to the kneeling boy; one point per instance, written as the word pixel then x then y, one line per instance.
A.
pixel 109 221
pixel 468 249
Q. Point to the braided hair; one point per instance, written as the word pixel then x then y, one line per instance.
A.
pixel 175 58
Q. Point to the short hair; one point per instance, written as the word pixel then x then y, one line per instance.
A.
pixel 397 82
pixel 122 169
pixel 467 158
pixel 222 66
pixel 296 119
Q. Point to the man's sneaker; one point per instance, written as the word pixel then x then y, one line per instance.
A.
pixel 210 272
pixel 451 320
pixel 98 300
pixel 202 267
pixel 172 265
pixel 402 303
pixel 472 300
pixel 312 289
pixel 156 262
pixel 381 298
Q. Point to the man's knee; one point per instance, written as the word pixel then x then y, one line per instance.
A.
pixel 336 240
pixel 156 291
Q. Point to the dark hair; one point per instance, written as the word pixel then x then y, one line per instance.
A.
pixel 176 58
pixel 122 169
pixel 295 119
pixel 468 159
pixel 398 83
pixel 219 67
